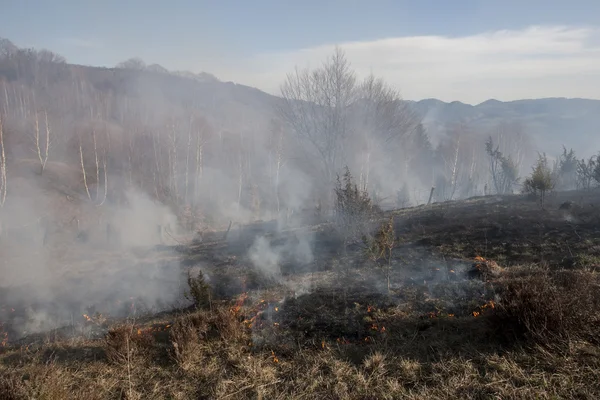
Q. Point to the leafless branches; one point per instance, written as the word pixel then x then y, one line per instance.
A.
pixel 316 106
pixel 341 119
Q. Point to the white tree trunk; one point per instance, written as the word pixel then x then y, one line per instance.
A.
pixel 3 182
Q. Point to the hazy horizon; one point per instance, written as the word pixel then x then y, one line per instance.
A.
pixel 477 52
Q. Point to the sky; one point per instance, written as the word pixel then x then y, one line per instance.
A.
pixel 465 50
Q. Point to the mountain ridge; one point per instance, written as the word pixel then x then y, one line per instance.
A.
pixel 551 121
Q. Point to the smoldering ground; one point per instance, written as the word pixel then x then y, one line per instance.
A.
pixel 57 266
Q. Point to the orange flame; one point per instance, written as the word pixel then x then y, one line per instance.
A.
pixel 239 303
pixel 3 336
pixel 275 359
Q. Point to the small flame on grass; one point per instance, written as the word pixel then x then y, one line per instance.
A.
pixel 240 301
pixel 3 336
pixel 382 329
pixel 370 309
pixel 275 359
pixel 322 344
pixel 489 304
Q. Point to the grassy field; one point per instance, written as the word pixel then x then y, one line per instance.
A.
pixel 489 298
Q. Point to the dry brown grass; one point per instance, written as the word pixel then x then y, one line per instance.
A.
pixel 216 354
pixel 526 332
pixel 550 306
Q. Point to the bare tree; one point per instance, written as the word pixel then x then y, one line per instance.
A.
pixel 586 171
pixel 3 181
pixel 42 153
pixel 276 159
pixel 382 112
pixel 174 143
pixel 85 182
pixel 504 171
pixel 316 106
pixel 202 129
pixel 513 142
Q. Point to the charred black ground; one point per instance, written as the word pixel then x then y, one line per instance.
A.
pixel 491 297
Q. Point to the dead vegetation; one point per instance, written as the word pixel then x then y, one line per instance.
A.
pixel 461 317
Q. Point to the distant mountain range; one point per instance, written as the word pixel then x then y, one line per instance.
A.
pixel 552 122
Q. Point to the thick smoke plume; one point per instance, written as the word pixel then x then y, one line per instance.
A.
pixel 104 169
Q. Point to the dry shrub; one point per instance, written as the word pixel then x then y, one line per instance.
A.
pixel 354 210
pixel 125 342
pixel 12 388
pixel 548 305
pixel 190 331
pixel 375 365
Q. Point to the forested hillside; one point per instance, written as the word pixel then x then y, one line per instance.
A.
pixel 215 151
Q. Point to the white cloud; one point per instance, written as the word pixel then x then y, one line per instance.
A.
pixel 540 61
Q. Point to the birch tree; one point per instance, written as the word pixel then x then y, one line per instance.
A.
pixel 42 151
pixel 3 180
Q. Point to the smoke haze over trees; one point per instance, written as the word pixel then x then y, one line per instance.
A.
pixel 215 150
pixel 89 152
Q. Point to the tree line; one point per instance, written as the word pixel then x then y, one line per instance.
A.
pixel 208 156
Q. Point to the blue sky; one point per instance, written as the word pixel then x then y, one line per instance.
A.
pixel 257 42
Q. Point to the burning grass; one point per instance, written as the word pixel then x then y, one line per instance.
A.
pixel 466 327
pixel 524 332
pixel 374 347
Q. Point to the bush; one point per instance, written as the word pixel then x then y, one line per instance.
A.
pixel 546 306
pixel 380 246
pixel 12 388
pixel 199 291
pixel 541 180
pixel 354 209
pixel 125 342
